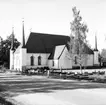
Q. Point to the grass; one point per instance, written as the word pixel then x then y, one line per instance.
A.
pixel 12 84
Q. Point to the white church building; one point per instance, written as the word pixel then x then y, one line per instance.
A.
pixel 47 50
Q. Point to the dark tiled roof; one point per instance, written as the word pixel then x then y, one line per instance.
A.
pixel 51 56
pixel 88 50
pixel 44 43
pixel 56 54
pixel 95 49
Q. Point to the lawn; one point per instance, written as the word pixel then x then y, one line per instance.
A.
pixel 21 88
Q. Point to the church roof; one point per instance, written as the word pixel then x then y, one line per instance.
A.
pixel 56 54
pixel 88 50
pixel 44 43
pixel 51 56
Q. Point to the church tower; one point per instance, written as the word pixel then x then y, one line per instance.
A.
pixel 96 53
pixel 12 42
pixel 95 44
pixel 23 37
pixel 23 51
pixel 12 50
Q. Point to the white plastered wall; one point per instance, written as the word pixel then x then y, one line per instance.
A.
pixel 23 55
pixel 11 60
pixel 96 60
pixel 64 61
pixel 50 63
pixel 88 60
pixel 44 59
pixel 20 59
pixel 17 62
pixel 56 64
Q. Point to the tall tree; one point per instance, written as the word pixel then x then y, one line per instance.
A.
pixel 78 43
pixel 8 44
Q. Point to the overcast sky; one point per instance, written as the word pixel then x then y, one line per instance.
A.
pixel 53 16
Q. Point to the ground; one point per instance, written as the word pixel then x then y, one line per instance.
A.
pixel 40 90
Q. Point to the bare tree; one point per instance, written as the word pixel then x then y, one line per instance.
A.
pixel 78 43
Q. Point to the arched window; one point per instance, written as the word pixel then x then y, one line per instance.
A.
pixel 53 63
pixel 32 60
pixel 39 60
pixel 75 60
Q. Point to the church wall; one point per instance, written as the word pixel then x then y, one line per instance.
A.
pixel 20 60
pixel 11 59
pixel 50 63
pixel 90 60
pixel 53 64
pixel 17 62
pixel 64 61
pixel 56 64
pixel 87 61
pixel 44 59
pixel 23 55
pixel 96 60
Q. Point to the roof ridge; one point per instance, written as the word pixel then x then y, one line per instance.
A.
pixel 48 34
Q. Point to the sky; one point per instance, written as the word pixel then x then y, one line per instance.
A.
pixel 54 17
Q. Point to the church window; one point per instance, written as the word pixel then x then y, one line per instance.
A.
pixel 32 60
pixel 53 63
pixel 39 60
pixel 75 60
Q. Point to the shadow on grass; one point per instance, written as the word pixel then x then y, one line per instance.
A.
pixel 35 85
pixel 3 101
pixel 48 86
